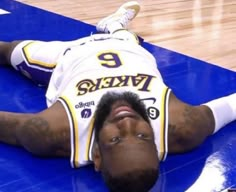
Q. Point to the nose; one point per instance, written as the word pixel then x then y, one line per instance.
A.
pixel 127 126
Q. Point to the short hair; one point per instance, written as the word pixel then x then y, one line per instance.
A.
pixel 135 181
pixel 104 108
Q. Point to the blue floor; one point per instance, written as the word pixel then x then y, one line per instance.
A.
pixel 211 167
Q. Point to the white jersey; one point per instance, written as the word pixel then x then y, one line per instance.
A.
pixel 85 72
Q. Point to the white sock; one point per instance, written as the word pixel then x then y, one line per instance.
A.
pixel 126 35
pixel 224 110
pixel 114 27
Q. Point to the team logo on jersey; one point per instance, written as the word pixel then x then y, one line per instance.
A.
pixel 86 113
pixel 68 49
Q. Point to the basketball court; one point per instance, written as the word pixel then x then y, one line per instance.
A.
pixel 209 168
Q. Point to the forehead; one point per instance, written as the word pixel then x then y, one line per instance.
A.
pixel 129 157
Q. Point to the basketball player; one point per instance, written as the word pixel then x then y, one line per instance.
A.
pixel 107 105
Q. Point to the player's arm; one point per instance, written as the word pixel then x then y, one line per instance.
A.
pixel 188 125
pixel 6 49
pixel 46 133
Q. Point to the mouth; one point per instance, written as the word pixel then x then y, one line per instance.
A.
pixel 123 111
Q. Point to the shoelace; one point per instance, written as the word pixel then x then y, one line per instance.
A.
pixel 127 16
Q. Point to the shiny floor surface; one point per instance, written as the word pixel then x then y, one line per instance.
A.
pixel 211 167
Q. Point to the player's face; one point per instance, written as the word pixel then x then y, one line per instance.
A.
pixel 126 139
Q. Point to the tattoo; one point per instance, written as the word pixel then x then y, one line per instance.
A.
pixel 46 140
pixel 181 131
pixel 36 126
pixel 7 128
pixel 36 134
pixel 172 130
pixel 191 116
pixel 8 124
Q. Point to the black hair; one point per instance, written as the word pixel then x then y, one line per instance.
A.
pixel 135 181
pixel 104 107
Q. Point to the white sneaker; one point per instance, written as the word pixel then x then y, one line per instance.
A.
pixel 120 19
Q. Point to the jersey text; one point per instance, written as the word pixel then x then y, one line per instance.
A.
pixel 140 81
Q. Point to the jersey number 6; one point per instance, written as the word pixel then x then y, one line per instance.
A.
pixel 109 59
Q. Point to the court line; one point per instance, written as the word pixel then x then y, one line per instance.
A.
pixel 2 12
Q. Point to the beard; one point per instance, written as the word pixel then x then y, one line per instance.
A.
pixel 104 107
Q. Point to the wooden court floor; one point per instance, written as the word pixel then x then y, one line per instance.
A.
pixel 203 29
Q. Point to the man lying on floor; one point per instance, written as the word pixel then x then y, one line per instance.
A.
pixel 107 105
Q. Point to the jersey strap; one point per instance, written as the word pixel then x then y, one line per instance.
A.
pixel 164 124
pixel 81 133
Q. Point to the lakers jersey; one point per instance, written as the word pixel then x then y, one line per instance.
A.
pixel 88 69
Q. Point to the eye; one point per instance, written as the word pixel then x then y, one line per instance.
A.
pixel 115 139
pixel 142 136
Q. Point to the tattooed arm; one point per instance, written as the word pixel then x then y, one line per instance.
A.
pixel 46 133
pixel 188 125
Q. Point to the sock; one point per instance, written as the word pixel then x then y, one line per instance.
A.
pixel 114 27
pixel 224 110
pixel 126 35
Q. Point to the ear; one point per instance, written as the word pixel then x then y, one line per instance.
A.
pixel 97 157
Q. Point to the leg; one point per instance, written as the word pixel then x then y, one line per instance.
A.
pixel 34 59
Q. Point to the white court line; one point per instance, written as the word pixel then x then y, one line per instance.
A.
pixel 3 12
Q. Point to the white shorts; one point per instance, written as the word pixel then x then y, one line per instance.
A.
pixel 37 59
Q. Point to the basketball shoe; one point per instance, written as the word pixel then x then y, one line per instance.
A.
pixel 120 19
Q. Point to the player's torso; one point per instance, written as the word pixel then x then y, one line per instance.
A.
pixel 91 71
